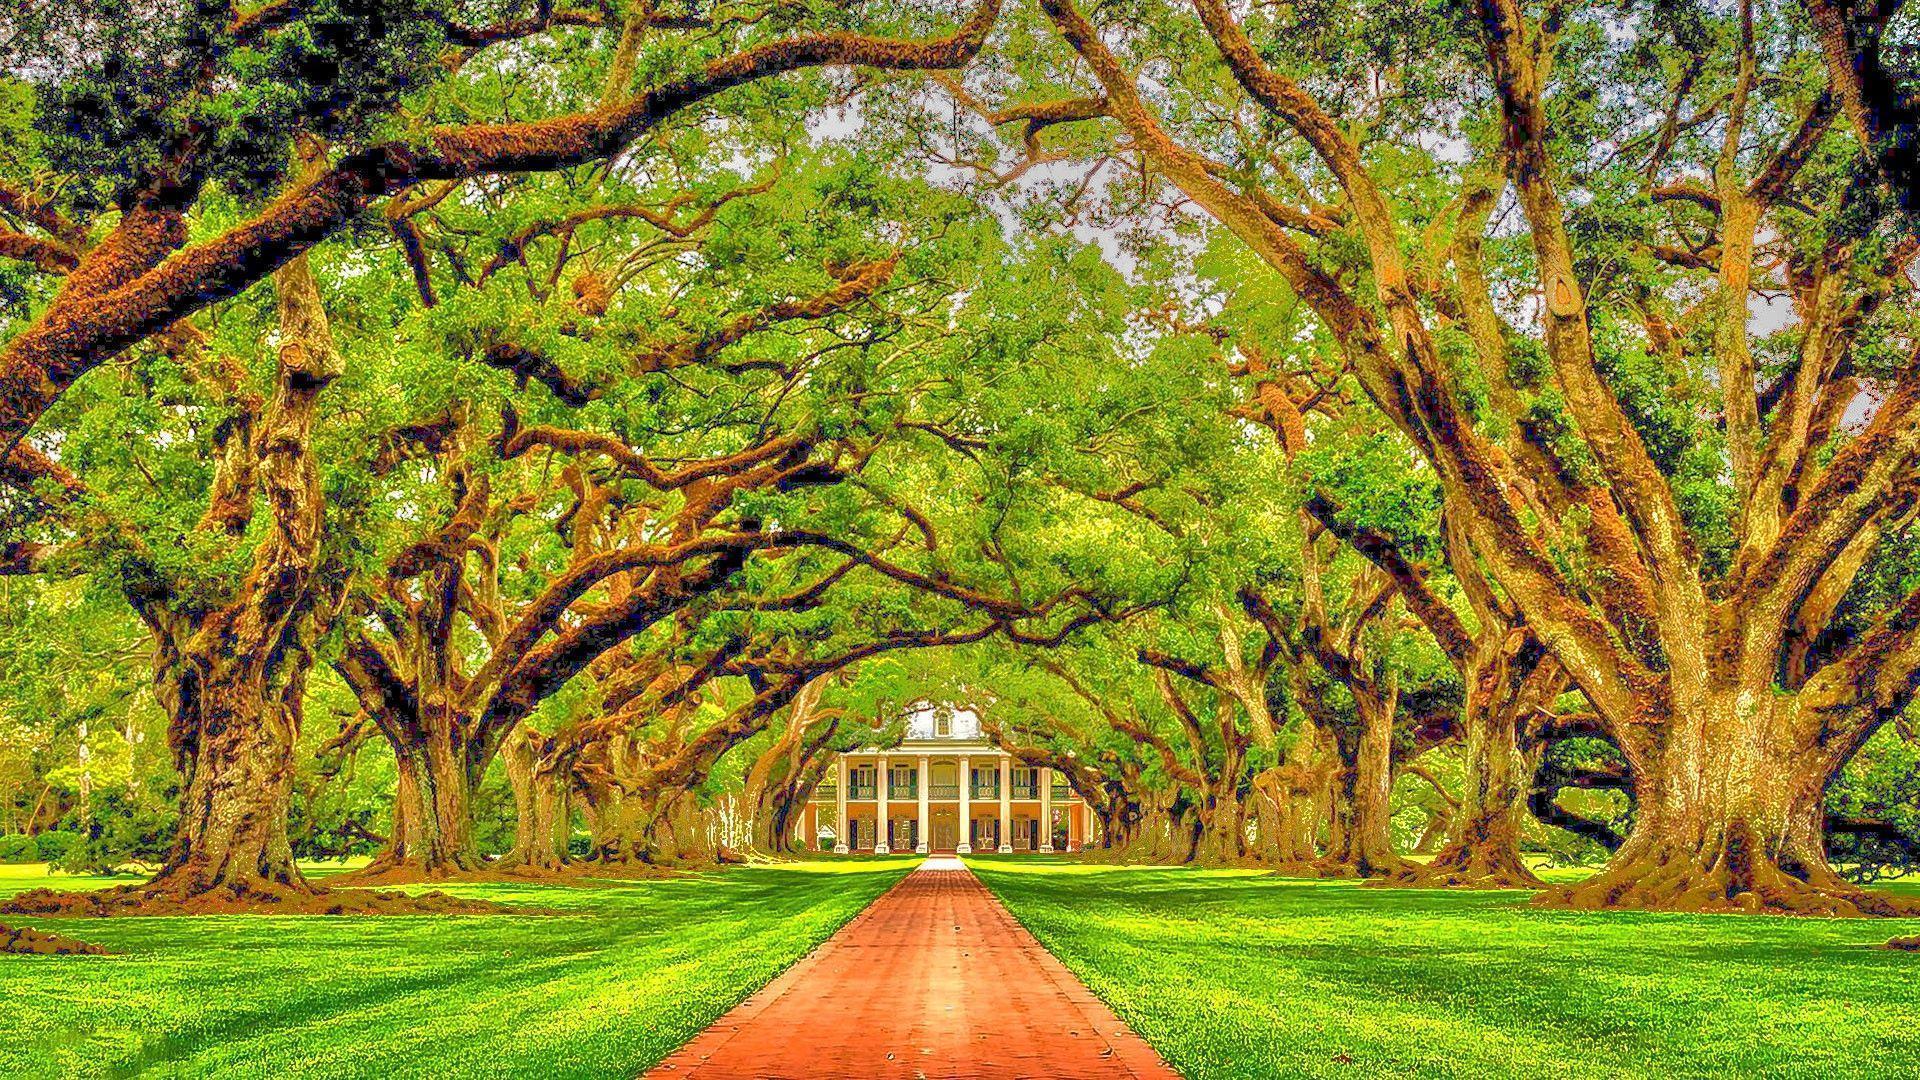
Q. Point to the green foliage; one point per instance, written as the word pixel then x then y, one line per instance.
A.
pixel 1051 379
pixel 57 844
pixel 1876 801
pixel 19 848
pixel 123 87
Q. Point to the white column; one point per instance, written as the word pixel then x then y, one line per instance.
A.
pixel 926 823
pixel 880 845
pixel 1006 804
pixel 842 828
pixel 1046 809
pixel 966 806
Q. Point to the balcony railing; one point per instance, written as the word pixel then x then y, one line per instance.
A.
pixel 902 791
pixel 862 791
pixel 1026 791
pixel 986 791
pixel 944 791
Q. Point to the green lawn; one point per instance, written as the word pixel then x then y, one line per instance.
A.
pixel 1235 974
pixel 1228 973
pixel 608 993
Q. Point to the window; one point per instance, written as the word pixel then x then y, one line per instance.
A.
pixel 1026 783
pixel 986 782
pixel 943 726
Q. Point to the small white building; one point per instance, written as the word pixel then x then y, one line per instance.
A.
pixel 944 788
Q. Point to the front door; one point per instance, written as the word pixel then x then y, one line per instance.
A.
pixel 946 832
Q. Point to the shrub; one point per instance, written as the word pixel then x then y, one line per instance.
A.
pixel 55 843
pixel 94 856
pixel 19 848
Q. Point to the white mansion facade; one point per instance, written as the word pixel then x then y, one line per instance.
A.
pixel 944 788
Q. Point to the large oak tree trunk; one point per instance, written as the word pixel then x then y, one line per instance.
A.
pixel 1221 839
pixel 232 679
pixel 544 816
pixel 234 735
pixel 1729 818
pixel 1186 831
pixel 433 805
pixel 609 823
pixel 603 768
pixel 1483 843
pixel 677 830
pixel 1296 801
pixel 775 820
pixel 1289 809
pixel 1362 837
pixel 1166 830
pixel 1120 817
pixel 771 832
pixel 1438 826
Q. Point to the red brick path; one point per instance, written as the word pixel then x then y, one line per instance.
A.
pixel 935 979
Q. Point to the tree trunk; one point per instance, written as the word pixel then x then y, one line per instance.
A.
pixel 432 806
pixel 608 823
pixel 677 830
pixel 1289 818
pixel 1438 826
pixel 1119 821
pixel 543 821
pixel 1362 840
pixel 1295 803
pixel 234 738
pixel 233 678
pixel 1729 818
pixel 602 770
pixel 770 826
pixel 1483 845
pixel 1182 839
pixel 1220 833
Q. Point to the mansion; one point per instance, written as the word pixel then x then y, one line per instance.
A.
pixel 944 788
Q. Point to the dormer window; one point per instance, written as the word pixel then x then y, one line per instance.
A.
pixel 943 727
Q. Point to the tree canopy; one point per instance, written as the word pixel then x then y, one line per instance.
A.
pixel 515 435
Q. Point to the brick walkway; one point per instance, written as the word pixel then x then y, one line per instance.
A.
pixel 935 979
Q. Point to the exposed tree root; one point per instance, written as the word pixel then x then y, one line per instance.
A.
pixel 30 942
pixel 1727 883
pixel 628 870
pixel 379 874
pixel 1298 868
pixel 571 874
pixel 387 870
pixel 1417 877
pixel 1461 866
pixel 1910 943
pixel 261 899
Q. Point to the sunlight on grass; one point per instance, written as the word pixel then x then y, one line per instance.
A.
pixel 1235 973
pixel 642 967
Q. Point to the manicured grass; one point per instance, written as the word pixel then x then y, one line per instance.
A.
pixel 1236 974
pixel 640 969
